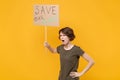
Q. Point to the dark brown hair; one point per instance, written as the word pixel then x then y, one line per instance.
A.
pixel 68 32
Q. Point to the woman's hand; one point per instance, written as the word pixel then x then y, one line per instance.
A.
pixel 46 44
pixel 75 74
pixel 53 50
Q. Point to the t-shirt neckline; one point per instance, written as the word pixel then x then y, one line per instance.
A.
pixel 68 49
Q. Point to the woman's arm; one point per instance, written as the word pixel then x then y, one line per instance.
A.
pixel 52 50
pixel 89 65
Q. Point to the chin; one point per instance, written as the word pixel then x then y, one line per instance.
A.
pixel 63 43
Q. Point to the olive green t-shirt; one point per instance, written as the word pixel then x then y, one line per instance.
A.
pixel 69 61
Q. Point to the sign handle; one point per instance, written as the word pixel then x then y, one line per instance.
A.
pixel 45 35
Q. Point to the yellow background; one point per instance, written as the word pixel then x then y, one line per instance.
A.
pixel 97 27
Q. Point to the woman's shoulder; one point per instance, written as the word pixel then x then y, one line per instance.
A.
pixel 59 48
pixel 77 47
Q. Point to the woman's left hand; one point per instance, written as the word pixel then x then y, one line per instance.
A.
pixel 75 74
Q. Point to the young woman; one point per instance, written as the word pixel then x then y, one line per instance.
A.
pixel 69 56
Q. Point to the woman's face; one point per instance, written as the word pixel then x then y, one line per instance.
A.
pixel 64 38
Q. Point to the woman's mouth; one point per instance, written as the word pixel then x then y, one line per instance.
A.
pixel 63 40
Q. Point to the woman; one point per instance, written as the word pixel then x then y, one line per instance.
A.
pixel 69 56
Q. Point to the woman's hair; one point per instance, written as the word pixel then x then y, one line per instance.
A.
pixel 68 32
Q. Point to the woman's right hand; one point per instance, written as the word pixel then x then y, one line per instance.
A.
pixel 46 44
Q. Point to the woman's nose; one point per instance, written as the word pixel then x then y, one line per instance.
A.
pixel 61 37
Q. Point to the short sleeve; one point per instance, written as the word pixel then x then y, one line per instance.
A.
pixel 58 49
pixel 80 51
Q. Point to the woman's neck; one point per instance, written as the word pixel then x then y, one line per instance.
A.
pixel 68 46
